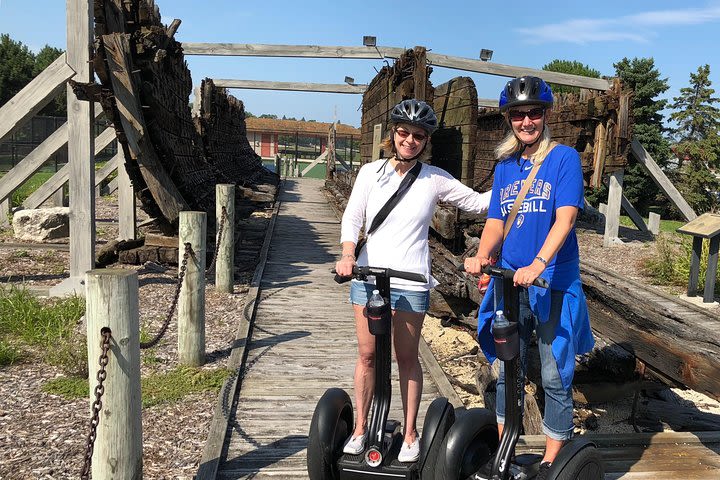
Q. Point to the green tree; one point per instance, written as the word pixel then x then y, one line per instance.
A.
pixel 269 115
pixel 698 142
pixel 569 66
pixel 58 106
pixel 16 67
pixel 641 76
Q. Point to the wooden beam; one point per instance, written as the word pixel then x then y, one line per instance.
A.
pixel 166 194
pixel 661 180
pixel 612 213
pixel 290 86
pixel 319 159
pixel 488 102
pixel 34 160
pixel 633 214
pixel 317 51
pixel 81 152
pixel 472 65
pixel 34 96
pixel 303 51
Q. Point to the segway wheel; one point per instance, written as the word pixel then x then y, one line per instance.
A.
pixel 586 464
pixel 332 423
pixel 439 418
pixel 470 444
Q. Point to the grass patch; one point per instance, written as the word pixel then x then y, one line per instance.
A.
pixel 69 388
pixel 179 382
pixel 27 188
pixel 9 354
pixel 157 389
pixel 670 264
pixel 45 326
pixel 667 226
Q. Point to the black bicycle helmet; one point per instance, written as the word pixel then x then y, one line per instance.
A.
pixel 526 90
pixel 415 112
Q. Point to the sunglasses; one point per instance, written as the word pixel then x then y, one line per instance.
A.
pixel 534 114
pixel 405 134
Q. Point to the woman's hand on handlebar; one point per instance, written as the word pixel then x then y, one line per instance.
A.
pixel 474 265
pixel 525 276
pixel 344 266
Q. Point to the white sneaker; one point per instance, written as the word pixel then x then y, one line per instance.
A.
pixel 409 452
pixel 355 445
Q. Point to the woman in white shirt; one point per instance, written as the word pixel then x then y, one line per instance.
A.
pixel 400 243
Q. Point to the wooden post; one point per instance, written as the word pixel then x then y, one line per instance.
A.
pixel 5 212
pixel 112 301
pixel 602 208
pixel 224 266
pixel 711 272
pixel 695 266
pixel 81 141
pixel 191 304
pixel 612 216
pixel 127 216
pixel 654 223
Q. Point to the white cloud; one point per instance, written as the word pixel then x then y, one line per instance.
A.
pixel 635 28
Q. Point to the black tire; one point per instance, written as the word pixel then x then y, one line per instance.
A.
pixel 470 444
pixel 585 465
pixel 331 425
pixel 439 418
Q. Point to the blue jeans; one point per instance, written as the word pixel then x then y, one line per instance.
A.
pixel 558 415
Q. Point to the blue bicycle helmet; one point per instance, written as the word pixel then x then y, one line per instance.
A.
pixel 527 90
pixel 415 112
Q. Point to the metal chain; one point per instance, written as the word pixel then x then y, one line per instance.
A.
pixel 106 334
pixel 181 276
pixel 223 218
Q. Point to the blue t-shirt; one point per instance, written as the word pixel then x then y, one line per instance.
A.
pixel 558 183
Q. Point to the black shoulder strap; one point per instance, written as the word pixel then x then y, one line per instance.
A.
pixel 407 180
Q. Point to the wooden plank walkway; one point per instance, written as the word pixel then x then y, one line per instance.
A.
pixel 303 342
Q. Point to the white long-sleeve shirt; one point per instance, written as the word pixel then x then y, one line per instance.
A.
pixel 401 241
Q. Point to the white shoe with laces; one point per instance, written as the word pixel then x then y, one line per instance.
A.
pixel 355 445
pixel 409 452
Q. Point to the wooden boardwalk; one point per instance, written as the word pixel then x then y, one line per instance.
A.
pixel 302 342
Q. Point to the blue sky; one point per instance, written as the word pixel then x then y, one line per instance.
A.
pixel 680 36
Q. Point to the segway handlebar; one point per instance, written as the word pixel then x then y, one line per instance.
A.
pixel 495 271
pixel 361 273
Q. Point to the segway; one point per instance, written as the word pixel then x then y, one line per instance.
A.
pixel 471 450
pixel 332 421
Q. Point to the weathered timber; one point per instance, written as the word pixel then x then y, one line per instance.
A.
pixel 390 85
pixel 661 180
pixel 656 414
pixel 290 86
pixel 453 143
pixel 674 337
pixel 168 198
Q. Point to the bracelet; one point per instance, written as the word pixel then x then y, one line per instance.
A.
pixel 348 255
pixel 541 259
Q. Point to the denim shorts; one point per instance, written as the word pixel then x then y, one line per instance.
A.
pixel 417 301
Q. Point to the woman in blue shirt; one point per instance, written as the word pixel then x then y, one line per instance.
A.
pixel 541 242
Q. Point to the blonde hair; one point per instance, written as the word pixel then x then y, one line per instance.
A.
pixel 388 147
pixel 510 146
